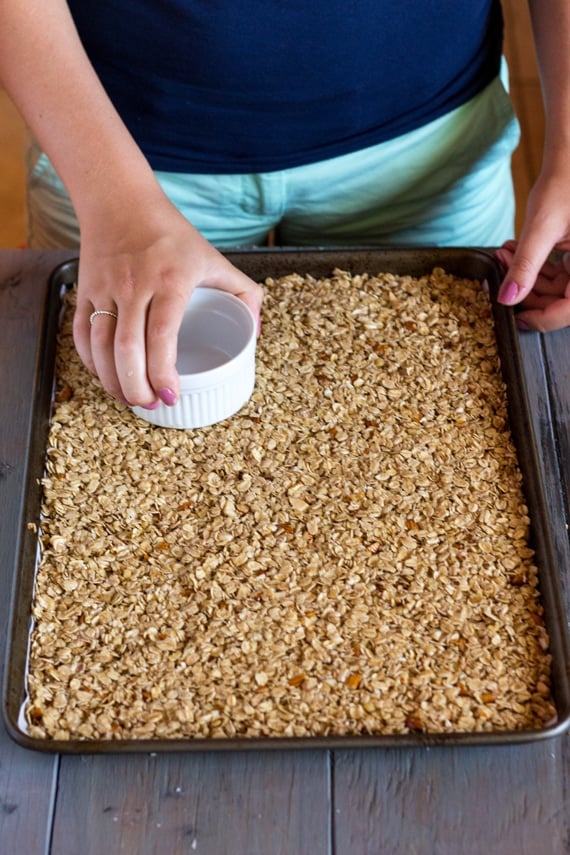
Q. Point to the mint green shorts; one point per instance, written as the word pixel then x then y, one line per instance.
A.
pixel 448 183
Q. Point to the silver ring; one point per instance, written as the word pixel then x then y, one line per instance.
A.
pixel 94 314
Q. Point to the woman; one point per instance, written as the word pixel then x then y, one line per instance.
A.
pixel 183 125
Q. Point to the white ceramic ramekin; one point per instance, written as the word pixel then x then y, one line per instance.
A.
pixel 215 361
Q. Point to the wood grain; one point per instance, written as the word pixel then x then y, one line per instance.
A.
pixel 275 803
pixel 449 802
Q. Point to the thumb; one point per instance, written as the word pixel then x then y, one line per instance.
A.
pixel 240 285
pixel 529 256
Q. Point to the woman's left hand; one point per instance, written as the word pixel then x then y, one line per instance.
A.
pixel 533 280
pixel 547 305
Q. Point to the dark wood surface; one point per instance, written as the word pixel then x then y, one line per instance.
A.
pixel 422 801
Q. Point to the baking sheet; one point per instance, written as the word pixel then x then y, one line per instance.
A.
pixel 259 264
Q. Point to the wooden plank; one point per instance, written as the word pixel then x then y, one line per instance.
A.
pixel 27 793
pixel 246 803
pixel 447 801
pixel 27 780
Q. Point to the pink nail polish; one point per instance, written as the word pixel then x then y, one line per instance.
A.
pixel 152 406
pixel 508 293
pixel 167 396
pixel 522 325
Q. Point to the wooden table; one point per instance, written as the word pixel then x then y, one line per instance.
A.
pixel 425 801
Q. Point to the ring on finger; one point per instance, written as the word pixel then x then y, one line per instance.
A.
pixel 98 312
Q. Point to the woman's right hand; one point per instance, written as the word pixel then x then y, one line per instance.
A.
pixel 142 264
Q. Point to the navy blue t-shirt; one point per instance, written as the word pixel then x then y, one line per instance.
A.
pixel 215 86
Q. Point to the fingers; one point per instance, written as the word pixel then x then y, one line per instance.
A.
pixel 525 261
pixel 125 357
pixel 102 337
pixel 555 284
pixel 113 349
pixel 553 316
pixel 82 333
pixel 237 283
pixel 134 354
pixel 163 322
pixel 546 306
pixel 550 269
pixel 164 319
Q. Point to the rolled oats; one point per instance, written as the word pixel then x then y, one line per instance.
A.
pixel 347 555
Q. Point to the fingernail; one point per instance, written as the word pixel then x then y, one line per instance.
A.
pixel 508 292
pixel 152 406
pixel 522 325
pixel 167 396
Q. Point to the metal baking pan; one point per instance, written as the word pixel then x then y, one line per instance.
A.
pixel 259 264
